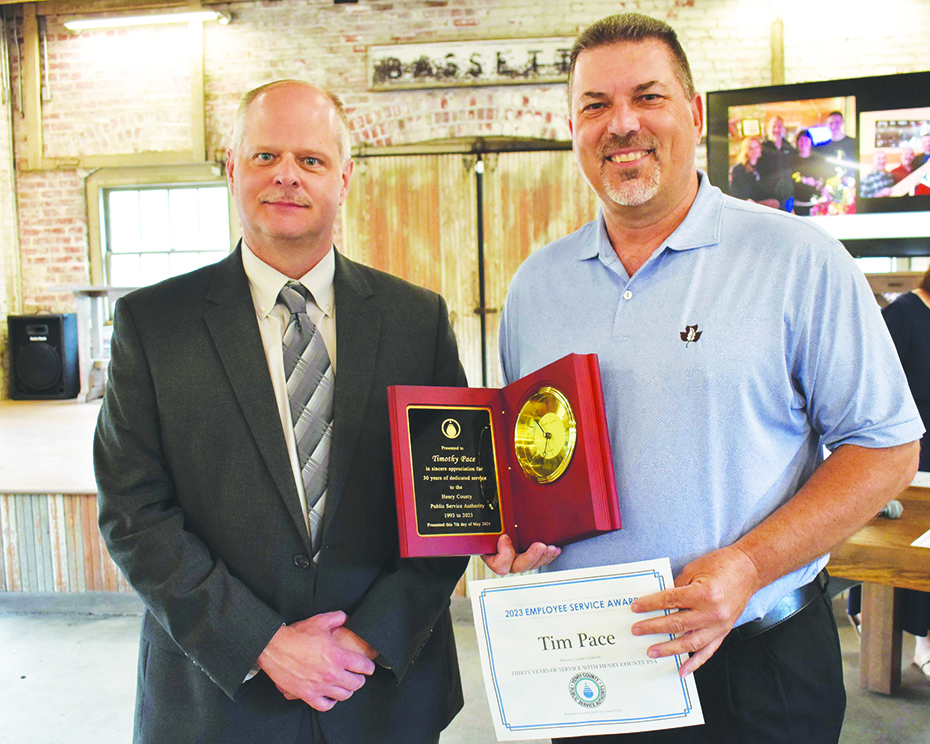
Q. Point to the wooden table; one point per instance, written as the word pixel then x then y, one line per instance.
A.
pixel 880 555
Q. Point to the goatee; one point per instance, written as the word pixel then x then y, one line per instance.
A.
pixel 629 188
pixel 634 190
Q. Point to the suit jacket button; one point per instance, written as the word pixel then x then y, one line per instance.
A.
pixel 301 561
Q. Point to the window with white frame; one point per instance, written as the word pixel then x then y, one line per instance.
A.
pixel 155 232
pixel 876 264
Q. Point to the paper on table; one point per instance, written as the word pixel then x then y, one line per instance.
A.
pixel 922 479
pixel 559 659
pixel 923 541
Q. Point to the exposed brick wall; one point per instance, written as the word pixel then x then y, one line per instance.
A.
pixel 117 91
pixel 9 257
pixel 827 41
pixel 728 42
pixel 126 91
pixel 52 238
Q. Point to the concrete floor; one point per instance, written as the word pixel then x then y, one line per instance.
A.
pixel 68 677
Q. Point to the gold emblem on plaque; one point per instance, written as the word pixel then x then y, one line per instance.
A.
pixel 544 437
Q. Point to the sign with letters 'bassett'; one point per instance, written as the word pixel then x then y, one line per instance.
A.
pixel 457 63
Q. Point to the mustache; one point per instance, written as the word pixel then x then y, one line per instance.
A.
pixel 286 197
pixel 614 142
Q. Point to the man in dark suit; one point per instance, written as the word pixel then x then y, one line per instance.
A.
pixel 269 618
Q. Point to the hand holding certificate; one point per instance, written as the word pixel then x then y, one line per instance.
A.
pixel 559 658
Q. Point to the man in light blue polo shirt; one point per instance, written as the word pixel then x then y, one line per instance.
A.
pixel 735 341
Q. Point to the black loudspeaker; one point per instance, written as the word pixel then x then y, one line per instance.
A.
pixel 43 357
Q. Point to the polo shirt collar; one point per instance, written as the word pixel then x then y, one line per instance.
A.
pixel 701 227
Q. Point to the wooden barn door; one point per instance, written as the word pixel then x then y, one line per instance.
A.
pixel 416 216
pixel 530 199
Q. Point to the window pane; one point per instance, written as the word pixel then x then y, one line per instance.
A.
pixel 214 219
pixel 153 220
pixel 123 214
pixel 185 222
pixel 874 264
pixel 920 263
pixel 154 268
pixel 125 270
pixel 155 233
pixel 181 263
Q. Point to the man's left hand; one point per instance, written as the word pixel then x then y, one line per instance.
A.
pixel 710 594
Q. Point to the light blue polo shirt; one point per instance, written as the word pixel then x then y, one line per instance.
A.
pixel 743 344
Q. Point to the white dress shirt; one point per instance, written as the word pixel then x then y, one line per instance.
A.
pixel 265 283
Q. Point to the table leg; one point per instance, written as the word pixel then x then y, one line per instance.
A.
pixel 880 648
pixel 83 308
pixel 95 376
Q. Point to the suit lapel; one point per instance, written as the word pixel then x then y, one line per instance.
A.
pixel 233 327
pixel 358 326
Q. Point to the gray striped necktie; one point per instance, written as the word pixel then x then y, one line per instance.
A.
pixel 310 382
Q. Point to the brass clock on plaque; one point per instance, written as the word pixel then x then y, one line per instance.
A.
pixel 544 437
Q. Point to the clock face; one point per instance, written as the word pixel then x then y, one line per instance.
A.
pixel 544 437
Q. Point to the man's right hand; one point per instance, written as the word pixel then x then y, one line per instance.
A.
pixel 306 663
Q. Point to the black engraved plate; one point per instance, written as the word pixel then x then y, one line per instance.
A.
pixel 454 471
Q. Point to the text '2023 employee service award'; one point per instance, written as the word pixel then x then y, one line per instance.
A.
pixel 531 459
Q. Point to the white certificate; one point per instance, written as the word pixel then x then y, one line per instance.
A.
pixel 559 658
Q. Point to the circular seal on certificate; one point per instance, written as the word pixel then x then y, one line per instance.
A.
pixel 587 690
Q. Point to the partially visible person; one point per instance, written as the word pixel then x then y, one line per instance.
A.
pixel 745 179
pixel 923 186
pixel 808 174
pixel 906 167
pixel 878 181
pixel 908 320
pixel 775 164
pixel 924 155
pixel 841 149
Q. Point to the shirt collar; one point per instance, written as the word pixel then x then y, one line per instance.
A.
pixel 700 228
pixel 703 224
pixel 266 282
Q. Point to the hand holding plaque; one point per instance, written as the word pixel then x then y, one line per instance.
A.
pixel 532 460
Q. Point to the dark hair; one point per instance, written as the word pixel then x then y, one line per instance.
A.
pixel 804 133
pixel 836 113
pixel 632 27
pixel 925 282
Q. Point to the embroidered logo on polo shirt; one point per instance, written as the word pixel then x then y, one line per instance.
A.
pixel 691 333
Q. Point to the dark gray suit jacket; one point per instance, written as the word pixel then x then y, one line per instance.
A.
pixel 199 509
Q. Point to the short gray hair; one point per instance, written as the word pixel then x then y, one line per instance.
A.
pixel 344 137
pixel 625 27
